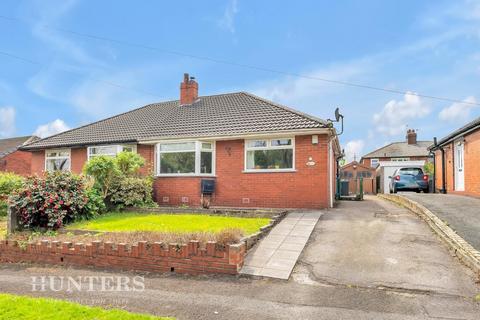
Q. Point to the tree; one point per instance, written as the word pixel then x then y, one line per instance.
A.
pixel 105 170
pixel 128 162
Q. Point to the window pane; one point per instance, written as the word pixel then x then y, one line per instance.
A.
pixel 58 164
pixel 281 142
pixel 206 145
pixel 186 146
pixel 257 143
pixel 270 159
pixel 127 148
pixel 51 154
pixel 106 150
pixel 206 162
pixel 178 162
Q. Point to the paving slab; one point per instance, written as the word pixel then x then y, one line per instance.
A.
pixel 276 255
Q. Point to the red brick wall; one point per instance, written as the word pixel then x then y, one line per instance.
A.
pixel 305 188
pixel 152 257
pixel 471 165
pixel 19 162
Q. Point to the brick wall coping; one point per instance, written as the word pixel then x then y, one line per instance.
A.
pixel 462 249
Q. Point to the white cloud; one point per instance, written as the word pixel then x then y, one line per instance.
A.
pixel 354 150
pixel 228 19
pixel 458 112
pixel 51 128
pixel 394 117
pixel 7 121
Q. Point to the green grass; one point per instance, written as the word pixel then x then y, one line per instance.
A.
pixel 20 307
pixel 176 223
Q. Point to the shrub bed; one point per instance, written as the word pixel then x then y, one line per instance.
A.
pixel 9 183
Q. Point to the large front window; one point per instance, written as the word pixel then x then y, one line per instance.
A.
pixel 57 160
pixel 185 158
pixel 109 150
pixel 269 154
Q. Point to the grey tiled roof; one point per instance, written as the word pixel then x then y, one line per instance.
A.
pixel 217 115
pixel 401 149
pixel 10 145
pixel 473 125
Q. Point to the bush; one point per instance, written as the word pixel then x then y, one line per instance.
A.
pixel 9 182
pixel 95 205
pixel 131 192
pixel 51 201
pixel 128 163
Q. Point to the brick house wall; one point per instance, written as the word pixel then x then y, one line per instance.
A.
pixel 18 162
pixel 307 187
pixel 471 166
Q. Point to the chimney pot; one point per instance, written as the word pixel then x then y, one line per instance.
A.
pixel 188 90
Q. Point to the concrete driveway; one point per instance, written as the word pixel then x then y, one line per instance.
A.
pixel 376 244
pixel 365 260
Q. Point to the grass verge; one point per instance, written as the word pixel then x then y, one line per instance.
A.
pixel 21 307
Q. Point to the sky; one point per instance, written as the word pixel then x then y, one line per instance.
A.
pixel 67 63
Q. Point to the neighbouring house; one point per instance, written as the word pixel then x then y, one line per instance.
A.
pixel 14 160
pixel 459 154
pixel 353 171
pixel 257 152
pixel 409 150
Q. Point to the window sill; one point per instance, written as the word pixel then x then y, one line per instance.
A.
pixel 269 171
pixel 185 175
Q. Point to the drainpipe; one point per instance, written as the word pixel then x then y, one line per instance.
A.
pixel 438 147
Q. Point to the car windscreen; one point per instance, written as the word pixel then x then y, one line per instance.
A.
pixel 410 171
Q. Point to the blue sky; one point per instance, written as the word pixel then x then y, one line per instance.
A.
pixel 427 47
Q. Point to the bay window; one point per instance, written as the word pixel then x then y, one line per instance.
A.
pixel 185 158
pixel 269 154
pixel 57 160
pixel 110 150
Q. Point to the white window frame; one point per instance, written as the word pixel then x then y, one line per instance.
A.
pixel 376 162
pixel 269 147
pixel 69 151
pixel 119 148
pixel 198 150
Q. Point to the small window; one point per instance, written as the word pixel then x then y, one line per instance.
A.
pixel 57 160
pixel 272 154
pixel 109 150
pixel 374 163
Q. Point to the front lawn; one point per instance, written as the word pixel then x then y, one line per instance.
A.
pixel 20 307
pixel 169 223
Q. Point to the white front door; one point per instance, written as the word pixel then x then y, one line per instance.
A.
pixel 459 168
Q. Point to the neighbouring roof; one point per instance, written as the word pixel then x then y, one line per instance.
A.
pixel 401 149
pixel 218 115
pixel 473 125
pixel 10 145
pixel 356 163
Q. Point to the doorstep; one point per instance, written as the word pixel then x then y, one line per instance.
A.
pixel 276 254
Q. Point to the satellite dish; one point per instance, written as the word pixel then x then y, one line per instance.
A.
pixel 337 114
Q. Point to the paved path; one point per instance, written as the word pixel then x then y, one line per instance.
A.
pixel 461 213
pixel 276 254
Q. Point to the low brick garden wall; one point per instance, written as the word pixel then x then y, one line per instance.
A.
pixel 153 257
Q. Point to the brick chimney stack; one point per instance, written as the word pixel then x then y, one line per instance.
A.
pixel 411 136
pixel 188 90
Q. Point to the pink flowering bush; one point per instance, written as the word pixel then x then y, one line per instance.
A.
pixel 51 201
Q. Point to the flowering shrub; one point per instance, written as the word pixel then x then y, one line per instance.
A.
pixel 51 201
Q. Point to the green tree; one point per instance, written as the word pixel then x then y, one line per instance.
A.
pixel 429 168
pixel 105 170
pixel 128 162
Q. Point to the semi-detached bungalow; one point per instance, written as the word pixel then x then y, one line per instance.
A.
pixel 259 153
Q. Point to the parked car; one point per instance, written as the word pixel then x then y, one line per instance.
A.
pixel 409 179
